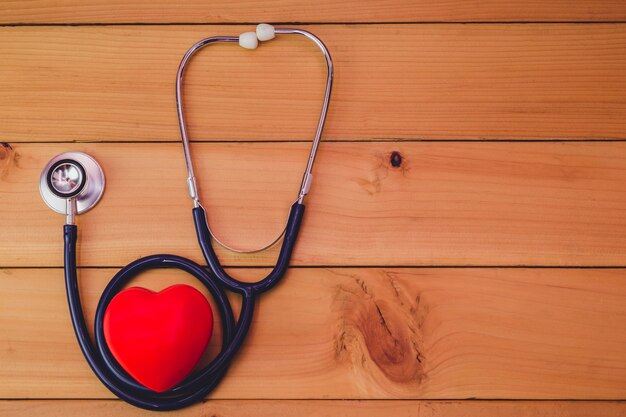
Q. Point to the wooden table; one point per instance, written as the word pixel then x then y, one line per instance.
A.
pixel 464 245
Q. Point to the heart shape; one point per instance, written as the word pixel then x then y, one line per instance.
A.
pixel 158 337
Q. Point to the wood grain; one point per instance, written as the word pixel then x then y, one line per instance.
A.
pixel 334 408
pixel 442 150
pixel 362 334
pixel 392 82
pixel 223 11
pixel 554 204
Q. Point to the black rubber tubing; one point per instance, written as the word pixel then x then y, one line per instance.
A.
pixel 282 264
pixel 200 384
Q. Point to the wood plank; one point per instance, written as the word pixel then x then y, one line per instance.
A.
pixel 222 11
pixel 396 82
pixel 338 408
pixel 363 333
pixel 558 204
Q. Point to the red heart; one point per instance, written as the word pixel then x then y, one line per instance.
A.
pixel 158 338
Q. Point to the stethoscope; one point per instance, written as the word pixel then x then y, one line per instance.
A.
pixel 73 182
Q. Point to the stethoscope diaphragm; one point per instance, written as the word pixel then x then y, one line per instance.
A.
pixel 72 175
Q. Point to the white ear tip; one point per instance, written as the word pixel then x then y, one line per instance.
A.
pixel 248 40
pixel 265 32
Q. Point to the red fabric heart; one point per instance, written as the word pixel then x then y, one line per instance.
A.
pixel 158 338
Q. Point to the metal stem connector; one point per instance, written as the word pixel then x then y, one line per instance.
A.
pixel 71 211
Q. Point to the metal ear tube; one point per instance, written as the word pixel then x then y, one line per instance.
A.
pixel 73 183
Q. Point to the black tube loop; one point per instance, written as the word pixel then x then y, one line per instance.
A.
pixel 201 383
pixel 99 357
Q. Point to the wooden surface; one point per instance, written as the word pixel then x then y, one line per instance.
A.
pixel 366 333
pixel 463 250
pixel 549 81
pixel 478 203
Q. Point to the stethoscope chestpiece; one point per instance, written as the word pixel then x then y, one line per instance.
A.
pixel 71 175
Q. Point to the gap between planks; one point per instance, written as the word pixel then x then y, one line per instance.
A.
pixel 311 408
pixel 142 11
